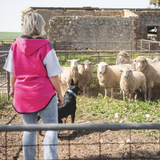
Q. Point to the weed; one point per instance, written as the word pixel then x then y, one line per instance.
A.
pixel 105 109
pixel 4 102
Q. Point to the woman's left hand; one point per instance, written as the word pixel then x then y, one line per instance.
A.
pixel 60 99
pixel 11 94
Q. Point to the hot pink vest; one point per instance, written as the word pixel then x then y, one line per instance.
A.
pixel 33 89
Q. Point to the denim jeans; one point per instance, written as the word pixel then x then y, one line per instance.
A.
pixel 48 115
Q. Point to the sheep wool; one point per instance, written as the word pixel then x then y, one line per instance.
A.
pixel 69 73
pixel 109 76
pixel 123 58
pixel 156 59
pixel 151 71
pixel 131 81
pixel 85 75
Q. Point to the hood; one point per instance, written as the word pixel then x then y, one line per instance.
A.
pixel 29 46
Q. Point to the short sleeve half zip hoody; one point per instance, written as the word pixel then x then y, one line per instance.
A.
pixel 33 89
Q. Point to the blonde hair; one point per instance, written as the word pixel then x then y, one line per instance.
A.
pixel 33 24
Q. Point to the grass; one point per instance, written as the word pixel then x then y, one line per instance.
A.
pixel 152 35
pixel 98 108
pixel 92 57
pixel 9 36
pixel 4 101
pixel 104 109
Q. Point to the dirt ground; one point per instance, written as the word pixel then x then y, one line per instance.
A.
pixel 117 144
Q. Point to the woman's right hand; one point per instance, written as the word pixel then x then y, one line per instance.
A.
pixel 60 99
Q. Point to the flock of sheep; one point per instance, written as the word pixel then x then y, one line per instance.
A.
pixel 132 76
pixel 82 73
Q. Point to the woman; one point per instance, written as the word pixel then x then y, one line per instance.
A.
pixel 34 69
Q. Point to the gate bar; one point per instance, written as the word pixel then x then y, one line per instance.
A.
pixel 79 126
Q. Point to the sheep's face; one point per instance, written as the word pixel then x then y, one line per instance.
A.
pixel 122 53
pixel 87 65
pixel 139 66
pixel 74 63
pixel 123 56
pixel 141 63
pixel 102 67
pixel 126 73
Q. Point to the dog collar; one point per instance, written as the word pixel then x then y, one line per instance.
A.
pixel 72 92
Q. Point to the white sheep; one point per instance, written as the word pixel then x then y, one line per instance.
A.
pixel 124 58
pixel 151 71
pixel 149 60
pixel 131 81
pixel 69 73
pixel 109 76
pixel 85 75
pixel 156 59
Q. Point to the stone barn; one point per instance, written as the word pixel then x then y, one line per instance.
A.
pixel 96 28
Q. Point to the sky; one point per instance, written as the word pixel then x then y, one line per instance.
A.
pixel 10 10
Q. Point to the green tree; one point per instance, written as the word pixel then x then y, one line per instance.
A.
pixel 156 3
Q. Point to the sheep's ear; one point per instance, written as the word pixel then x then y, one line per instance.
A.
pixel 72 82
pixel 68 60
pixel 128 55
pixel 134 60
pixel 77 60
pixel 121 70
pixel 82 63
pixel 96 65
pixel 76 83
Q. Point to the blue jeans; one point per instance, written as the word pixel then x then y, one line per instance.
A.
pixel 48 115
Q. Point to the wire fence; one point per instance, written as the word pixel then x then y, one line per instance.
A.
pixel 84 141
pixel 87 141
pixel 4 77
pixel 144 44
pixel 95 57
pixel 108 45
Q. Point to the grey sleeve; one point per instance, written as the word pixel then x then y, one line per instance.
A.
pixel 9 62
pixel 51 64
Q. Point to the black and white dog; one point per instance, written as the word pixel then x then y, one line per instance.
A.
pixel 69 106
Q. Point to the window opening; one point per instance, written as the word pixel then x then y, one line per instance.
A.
pixel 152 33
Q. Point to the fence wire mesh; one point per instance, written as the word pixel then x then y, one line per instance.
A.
pixel 86 143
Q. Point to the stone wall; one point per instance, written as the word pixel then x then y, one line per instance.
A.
pixel 48 13
pixel 94 29
pixel 148 18
pixel 89 25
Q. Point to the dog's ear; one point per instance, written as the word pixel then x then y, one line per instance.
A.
pixel 76 83
pixel 72 82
